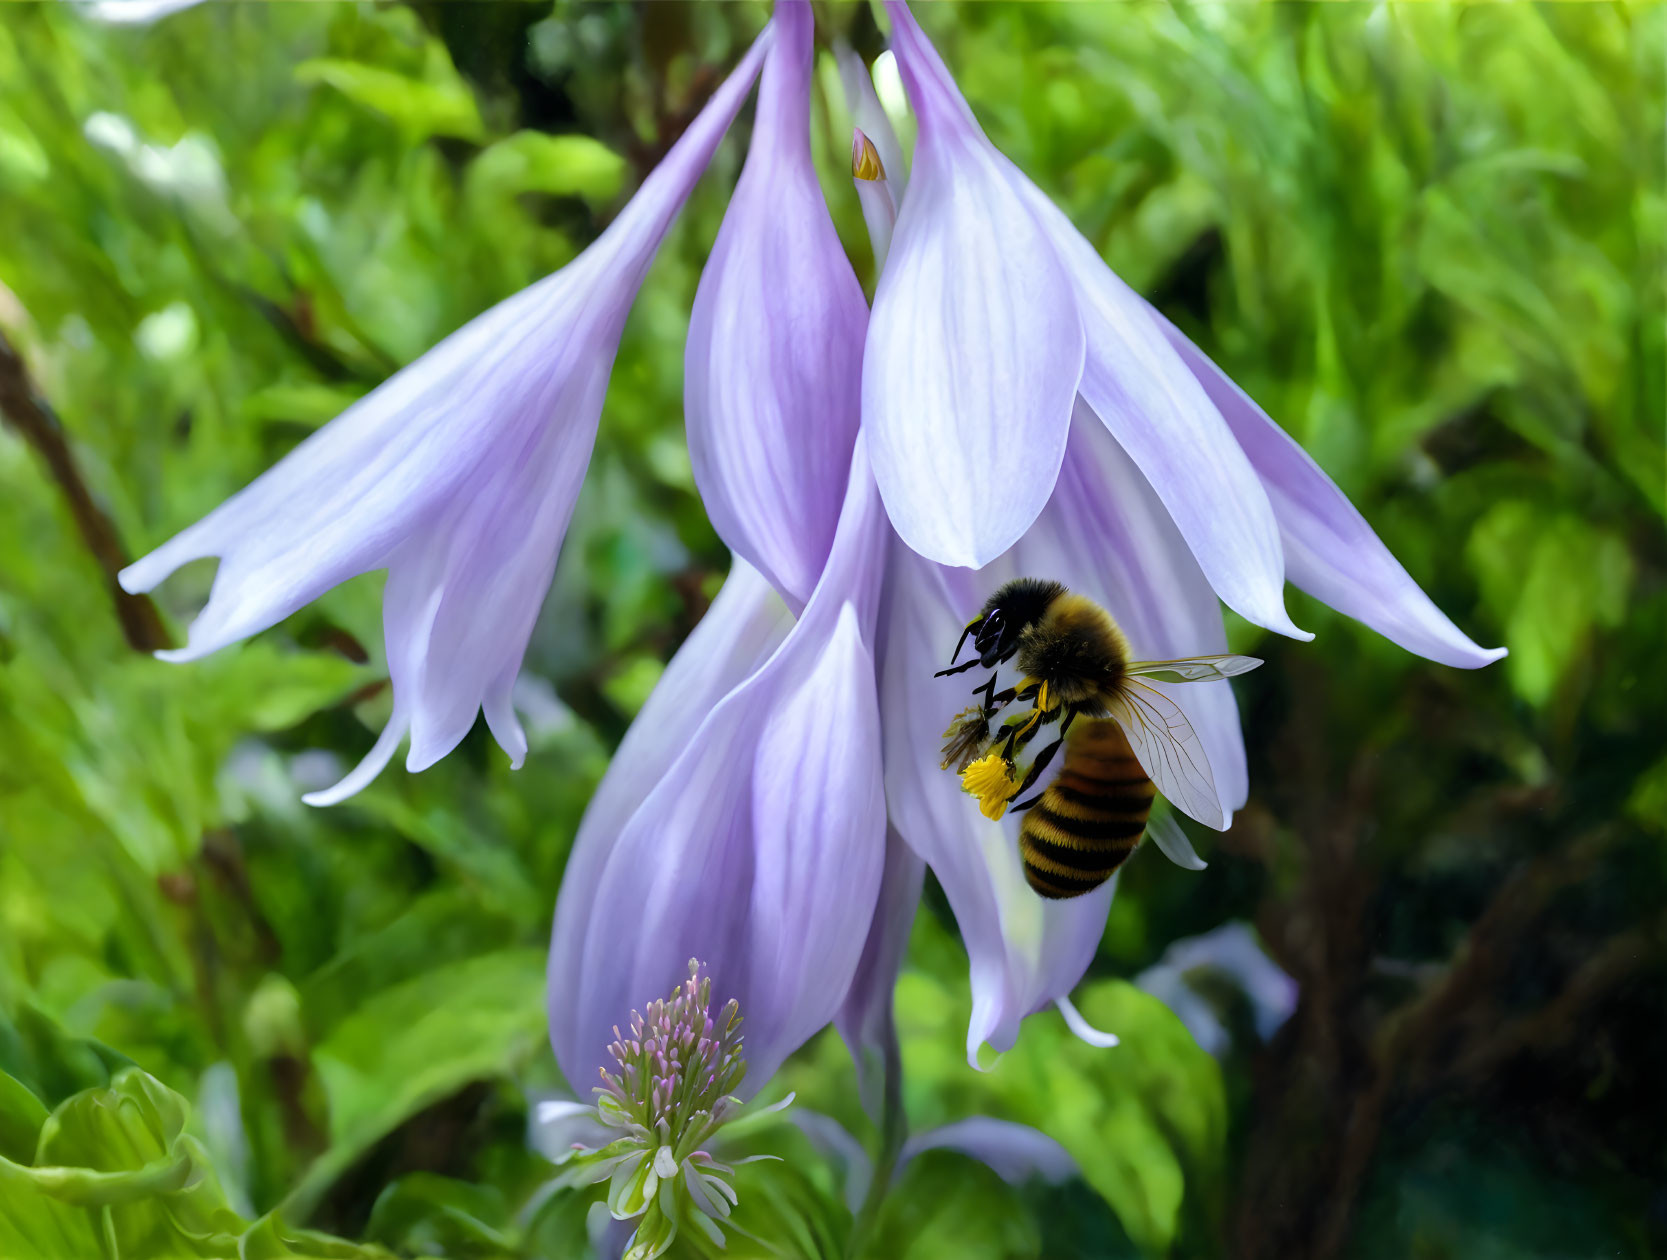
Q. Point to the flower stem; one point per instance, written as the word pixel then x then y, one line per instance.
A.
pixel 894 1128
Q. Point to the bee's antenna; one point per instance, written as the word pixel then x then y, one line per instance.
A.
pixel 971 628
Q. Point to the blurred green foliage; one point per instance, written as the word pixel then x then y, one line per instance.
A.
pixel 1428 238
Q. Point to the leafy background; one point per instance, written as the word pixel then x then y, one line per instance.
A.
pixel 1428 238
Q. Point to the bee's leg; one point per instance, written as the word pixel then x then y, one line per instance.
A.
pixel 1041 763
pixel 1023 691
pixel 1021 732
pixel 962 668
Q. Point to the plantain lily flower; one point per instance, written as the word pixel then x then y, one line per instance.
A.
pixel 997 328
pixel 457 475
pixel 1023 414
pixel 1126 516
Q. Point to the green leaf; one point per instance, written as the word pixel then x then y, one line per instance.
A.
pixel 21 1118
pixel 414 1044
pixel 948 1204
pixel 531 161
pixel 1145 1120
pixel 425 1212
pixel 441 106
pixel 1552 579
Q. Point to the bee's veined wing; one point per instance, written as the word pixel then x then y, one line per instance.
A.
pixel 1169 750
pixel 1193 668
pixel 1166 833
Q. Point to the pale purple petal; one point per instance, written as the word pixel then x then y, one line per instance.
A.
pixel 1158 412
pixel 1330 550
pixel 556 1125
pixel 1107 535
pixel 458 474
pixel 1016 1152
pixel 758 851
pixel 1232 951
pixel 773 367
pixel 740 631
pixel 974 345
pixel 866 1020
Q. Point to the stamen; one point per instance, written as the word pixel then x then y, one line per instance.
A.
pixel 865 159
pixel 990 779
pixel 966 735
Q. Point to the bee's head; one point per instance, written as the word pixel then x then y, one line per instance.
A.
pixel 1012 610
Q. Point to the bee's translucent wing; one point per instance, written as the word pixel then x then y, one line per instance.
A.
pixel 1166 833
pixel 1169 750
pixel 1193 668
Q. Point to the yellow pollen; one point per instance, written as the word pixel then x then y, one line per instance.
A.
pixel 1044 701
pixel 990 779
pixel 865 159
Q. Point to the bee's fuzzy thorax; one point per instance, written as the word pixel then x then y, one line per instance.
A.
pixel 1078 648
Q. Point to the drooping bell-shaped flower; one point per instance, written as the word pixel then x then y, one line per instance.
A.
pixel 996 322
pixel 773 367
pixel 743 821
pixel 457 475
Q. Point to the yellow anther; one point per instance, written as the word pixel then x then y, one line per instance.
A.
pixel 865 158
pixel 1045 700
pixel 990 779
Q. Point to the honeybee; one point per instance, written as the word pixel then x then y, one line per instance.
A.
pixel 1124 740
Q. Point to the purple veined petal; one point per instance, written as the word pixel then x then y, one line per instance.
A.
pixel 1234 950
pixel 1330 550
pixel 866 1019
pixel 1022 951
pixel 760 848
pixel 1016 1152
pixel 461 435
pixel 1140 389
pixel 739 633
pixel 1106 534
pixel 974 344
pixel 773 366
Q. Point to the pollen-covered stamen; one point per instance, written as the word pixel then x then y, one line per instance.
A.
pixel 969 732
pixel 991 780
pixel 865 158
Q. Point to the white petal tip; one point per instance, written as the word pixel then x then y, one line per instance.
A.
pixel 359 778
pixel 1486 656
pixel 1083 1030
pixel 177 656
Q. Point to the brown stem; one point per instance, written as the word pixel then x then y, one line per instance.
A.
pixel 34 421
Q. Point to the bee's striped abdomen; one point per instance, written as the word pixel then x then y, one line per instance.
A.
pixel 1090 817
